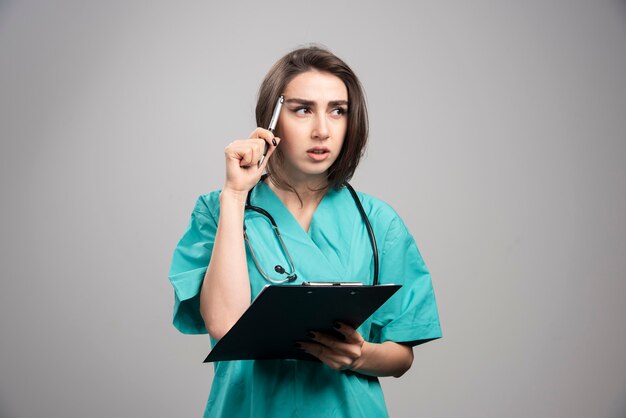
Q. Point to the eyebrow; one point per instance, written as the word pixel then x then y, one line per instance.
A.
pixel 312 103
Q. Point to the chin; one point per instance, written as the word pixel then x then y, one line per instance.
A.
pixel 311 170
pixel 316 171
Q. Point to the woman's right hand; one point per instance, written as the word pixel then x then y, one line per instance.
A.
pixel 225 293
pixel 242 159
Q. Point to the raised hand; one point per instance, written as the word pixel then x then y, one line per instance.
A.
pixel 242 160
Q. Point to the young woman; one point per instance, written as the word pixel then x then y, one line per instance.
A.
pixel 321 134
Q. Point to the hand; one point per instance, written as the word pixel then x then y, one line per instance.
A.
pixel 336 353
pixel 242 158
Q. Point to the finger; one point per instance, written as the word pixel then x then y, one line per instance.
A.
pixel 270 150
pixel 256 145
pixel 247 151
pixel 262 133
pixel 327 356
pixel 246 158
pixel 235 151
pixel 266 135
pixel 349 332
pixel 241 144
pixel 325 339
pixel 260 145
pixel 343 348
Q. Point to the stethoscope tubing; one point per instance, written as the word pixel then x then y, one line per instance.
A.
pixel 368 226
pixel 291 276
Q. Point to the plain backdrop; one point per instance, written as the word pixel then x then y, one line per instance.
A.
pixel 498 132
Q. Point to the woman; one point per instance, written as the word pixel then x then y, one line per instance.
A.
pixel 321 134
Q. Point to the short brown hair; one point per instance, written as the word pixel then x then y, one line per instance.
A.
pixel 282 72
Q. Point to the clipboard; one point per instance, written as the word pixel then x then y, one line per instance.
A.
pixel 282 314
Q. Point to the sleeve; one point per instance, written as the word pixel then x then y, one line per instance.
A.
pixel 189 264
pixel 410 316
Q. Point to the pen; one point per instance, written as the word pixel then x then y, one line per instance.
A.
pixel 273 122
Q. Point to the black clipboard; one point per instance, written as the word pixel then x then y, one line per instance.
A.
pixel 282 314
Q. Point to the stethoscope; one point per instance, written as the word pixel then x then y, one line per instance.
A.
pixel 291 274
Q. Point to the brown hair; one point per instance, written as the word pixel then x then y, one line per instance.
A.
pixel 282 72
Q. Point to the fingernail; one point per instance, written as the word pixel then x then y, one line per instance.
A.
pixel 274 141
pixel 336 325
pixel 310 335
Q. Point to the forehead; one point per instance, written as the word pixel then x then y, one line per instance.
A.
pixel 316 86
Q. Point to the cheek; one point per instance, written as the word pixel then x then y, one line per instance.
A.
pixel 341 125
pixel 341 132
pixel 294 135
pixel 288 143
pixel 287 130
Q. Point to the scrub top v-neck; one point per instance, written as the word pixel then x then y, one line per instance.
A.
pixel 321 245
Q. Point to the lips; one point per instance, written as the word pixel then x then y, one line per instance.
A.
pixel 318 153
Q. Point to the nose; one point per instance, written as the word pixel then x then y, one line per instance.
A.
pixel 321 130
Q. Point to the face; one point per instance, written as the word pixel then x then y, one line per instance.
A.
pixel 312 124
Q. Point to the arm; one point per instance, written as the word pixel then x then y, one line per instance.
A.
pixel 386 359
pixel 356 354
pixel 225 292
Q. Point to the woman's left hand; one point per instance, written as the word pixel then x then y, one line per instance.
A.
pixel 338 354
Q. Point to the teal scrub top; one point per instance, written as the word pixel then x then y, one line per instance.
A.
pixel 336 248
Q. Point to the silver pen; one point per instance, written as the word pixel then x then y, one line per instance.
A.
pixel 273 122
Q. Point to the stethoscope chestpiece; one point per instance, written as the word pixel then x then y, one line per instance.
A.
pixel 281 270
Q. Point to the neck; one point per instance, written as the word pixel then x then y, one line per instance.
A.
pixel 304 193
pixel 302 201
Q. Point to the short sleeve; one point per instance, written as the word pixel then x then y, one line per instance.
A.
pixel 410 316
pixel 189 264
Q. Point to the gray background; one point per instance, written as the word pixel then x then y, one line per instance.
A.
pixel 498 133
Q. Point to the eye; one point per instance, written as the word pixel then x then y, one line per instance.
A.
pixel 339 111
pixel 301 110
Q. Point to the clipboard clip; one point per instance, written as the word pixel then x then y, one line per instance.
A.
pixel 332 284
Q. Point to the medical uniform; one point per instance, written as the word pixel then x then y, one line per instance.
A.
pixel 336 248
